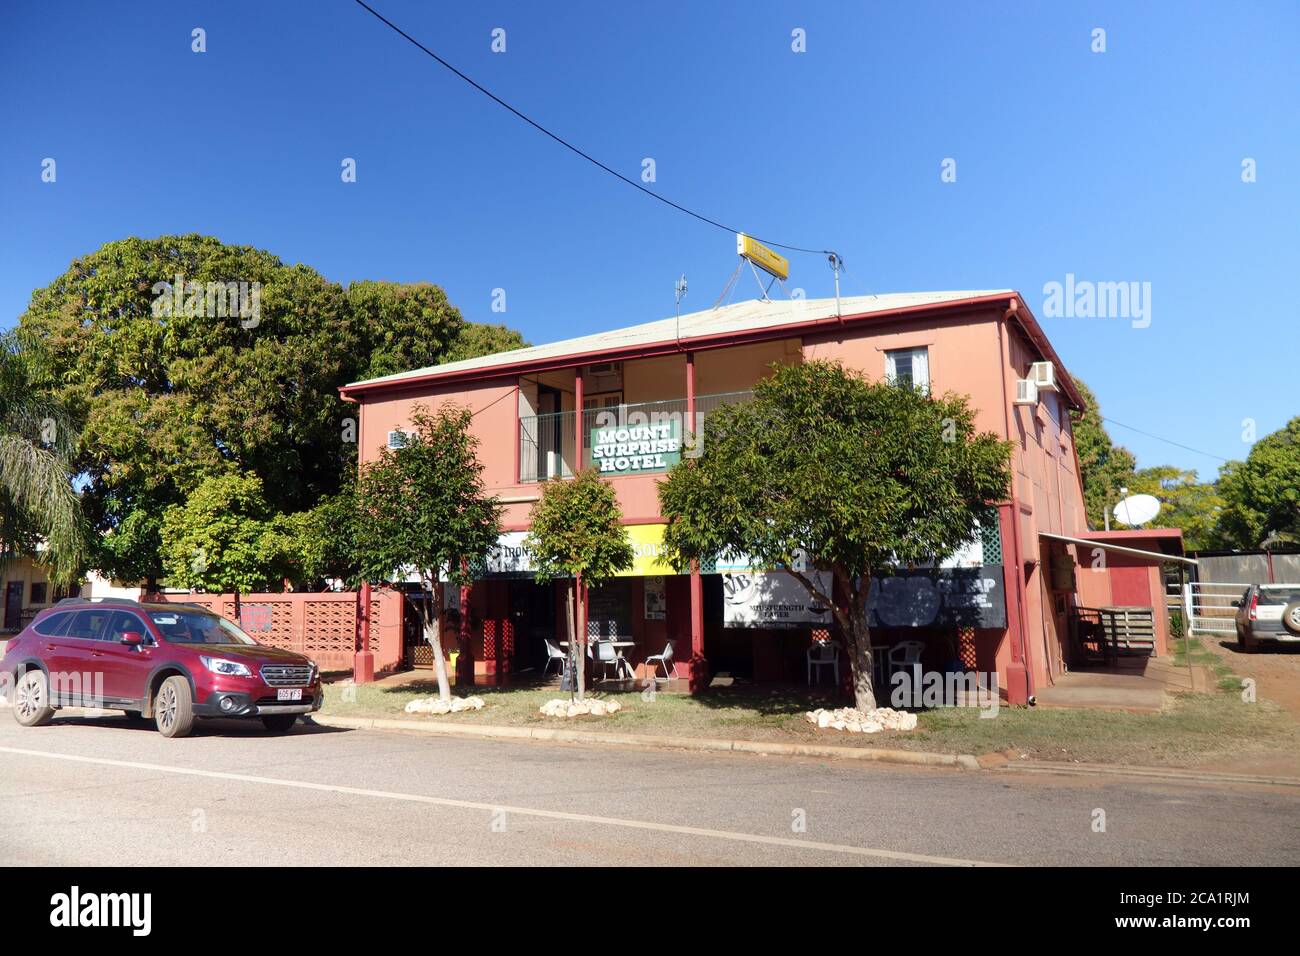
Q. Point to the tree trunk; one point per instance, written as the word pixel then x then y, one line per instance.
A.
pixel 432 620
pixel 573 640
pixel 579 647
pixel 864 690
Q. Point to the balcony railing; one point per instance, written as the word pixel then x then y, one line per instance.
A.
pixel 546 442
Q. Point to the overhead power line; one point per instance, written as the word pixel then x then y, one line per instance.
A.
pixel 566 144
pixel 1167 441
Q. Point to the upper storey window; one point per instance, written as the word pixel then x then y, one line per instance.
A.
pixel 908 368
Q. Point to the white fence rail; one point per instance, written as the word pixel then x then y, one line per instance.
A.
pixel 1207 607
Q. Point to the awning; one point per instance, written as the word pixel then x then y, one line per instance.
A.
pixel 1155 555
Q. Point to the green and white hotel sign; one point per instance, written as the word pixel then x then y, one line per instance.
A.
pixel 637 449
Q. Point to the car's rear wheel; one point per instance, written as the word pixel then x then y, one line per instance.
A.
pixel 173 709
pixel 1247 643
pixel 32 699
pixel 279 723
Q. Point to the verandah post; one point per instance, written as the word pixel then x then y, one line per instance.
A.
pixel 698 666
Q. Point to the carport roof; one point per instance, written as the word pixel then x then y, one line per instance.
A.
pixel 1101 539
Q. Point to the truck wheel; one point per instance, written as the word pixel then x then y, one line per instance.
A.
pixel 174 708
pixel 279 723
pixel 1291 617
pixel 32 699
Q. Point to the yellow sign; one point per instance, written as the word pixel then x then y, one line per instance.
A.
pixel 647 548
pixel 763 257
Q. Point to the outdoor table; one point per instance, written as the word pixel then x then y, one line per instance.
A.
pixel 617 645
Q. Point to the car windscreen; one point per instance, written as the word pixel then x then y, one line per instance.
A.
pixel 197 627
pixel 1279 595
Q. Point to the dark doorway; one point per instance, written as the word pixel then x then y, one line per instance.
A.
pixel 532 606
pixel 14 606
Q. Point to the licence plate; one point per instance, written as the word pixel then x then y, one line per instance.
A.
pixel 289 693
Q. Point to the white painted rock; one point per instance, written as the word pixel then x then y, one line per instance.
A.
pixel 856 722
pixel 432 705
pixel 558 707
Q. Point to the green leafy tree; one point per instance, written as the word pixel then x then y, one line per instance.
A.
pixel 173 388
pixel 1261 495
pixel 409 326
pixel 172 384
pixel 1190 505
pixel 223 539
pixel 318 545
pixel 477 339
pixel 1106 467
pixel 423 506
pixel 577 534
pixel 856 475
pixel 40 513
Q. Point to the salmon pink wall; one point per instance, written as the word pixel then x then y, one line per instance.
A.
pixel 977 353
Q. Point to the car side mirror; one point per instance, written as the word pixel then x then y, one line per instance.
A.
pixel 132 638
pixel 1236 604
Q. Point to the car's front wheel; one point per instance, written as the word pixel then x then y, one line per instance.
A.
pixel 32 699
pixel 279 723
pixel 173 710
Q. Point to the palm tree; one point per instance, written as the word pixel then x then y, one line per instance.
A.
pixel 40 512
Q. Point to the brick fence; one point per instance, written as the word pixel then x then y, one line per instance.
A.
pixel 321 625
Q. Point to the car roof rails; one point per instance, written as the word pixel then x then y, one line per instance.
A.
pixel 98 600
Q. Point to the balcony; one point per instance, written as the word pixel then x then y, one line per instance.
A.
pixel 642 438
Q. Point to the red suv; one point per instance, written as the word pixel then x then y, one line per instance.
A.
pixel 172 662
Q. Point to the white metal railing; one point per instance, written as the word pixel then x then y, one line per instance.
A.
pixel 1208 606
pixel 546 442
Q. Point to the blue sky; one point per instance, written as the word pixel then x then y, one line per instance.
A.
pixel 1117 166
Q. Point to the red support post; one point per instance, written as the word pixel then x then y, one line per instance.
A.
pixel 363 664
pixel 579 590
pixel 699 665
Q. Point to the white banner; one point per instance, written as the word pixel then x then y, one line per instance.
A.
pixel 510 556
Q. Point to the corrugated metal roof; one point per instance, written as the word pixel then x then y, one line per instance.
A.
pixel 740 317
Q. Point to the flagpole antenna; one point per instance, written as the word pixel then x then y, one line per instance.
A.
pixel 836 265
pixel 679 291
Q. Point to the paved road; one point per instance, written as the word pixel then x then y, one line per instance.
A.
pixel 102 791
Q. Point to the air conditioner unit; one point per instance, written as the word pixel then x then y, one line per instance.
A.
pixel 1043 374
pixel 397 439
pixel 1026 392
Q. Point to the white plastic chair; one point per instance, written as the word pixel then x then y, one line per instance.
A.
pixel 553 656
pixel 904 656
pixel 823 654
pixel 664 660
pixel 606 654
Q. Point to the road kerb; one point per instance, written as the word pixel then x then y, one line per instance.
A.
pixel 711 744
pixel 1189 774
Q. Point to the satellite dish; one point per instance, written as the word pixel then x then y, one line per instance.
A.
pixel 1137 509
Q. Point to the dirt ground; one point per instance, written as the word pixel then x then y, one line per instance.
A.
pixel 1276 671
